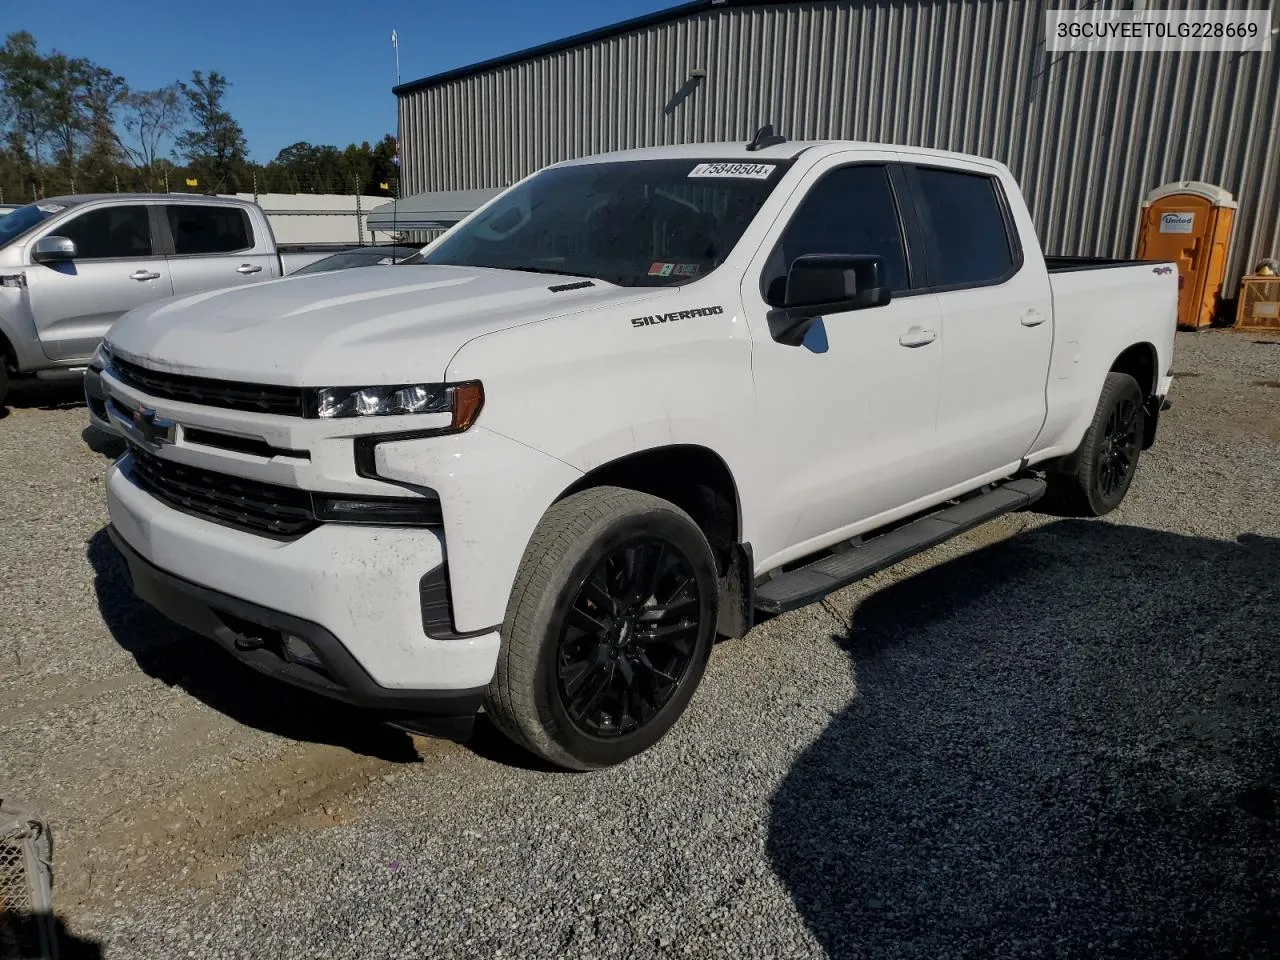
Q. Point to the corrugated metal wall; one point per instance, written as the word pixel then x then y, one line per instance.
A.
pixel 1087 135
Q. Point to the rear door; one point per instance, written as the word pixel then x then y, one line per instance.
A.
pixel 211 246
pixel 116 268
pixel 846 419
pixel 997 309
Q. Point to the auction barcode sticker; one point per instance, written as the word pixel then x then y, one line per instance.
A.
pixel 748 171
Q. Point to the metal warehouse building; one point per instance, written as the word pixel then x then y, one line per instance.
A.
pixel 1087 134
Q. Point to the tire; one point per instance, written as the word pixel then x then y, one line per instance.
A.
pixel 1094 480
pixel 4 379
pixel 599 660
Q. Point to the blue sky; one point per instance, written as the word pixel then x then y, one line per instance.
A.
pixel 320 70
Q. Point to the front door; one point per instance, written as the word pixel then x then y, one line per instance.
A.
pixel 115 269
pixel 846 419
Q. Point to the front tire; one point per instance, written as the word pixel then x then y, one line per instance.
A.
pixel 608 629
pixel 1096 478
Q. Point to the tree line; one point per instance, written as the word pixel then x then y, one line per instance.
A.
pixel 69 125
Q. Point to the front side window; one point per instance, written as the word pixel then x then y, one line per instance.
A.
pixel 633 223
pixel 203 228
pixel 849 211
pixel 110 232
pixel 970 234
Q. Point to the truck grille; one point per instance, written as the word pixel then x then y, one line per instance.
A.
pixel 263 508
pixel 256 397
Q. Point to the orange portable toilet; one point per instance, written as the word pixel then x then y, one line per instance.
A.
pixel 1189 223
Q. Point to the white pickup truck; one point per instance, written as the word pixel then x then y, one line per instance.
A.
pixel 627 405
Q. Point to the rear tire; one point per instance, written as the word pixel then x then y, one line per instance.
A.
pixel 4 378
pixel 1095 479
pixel 608 629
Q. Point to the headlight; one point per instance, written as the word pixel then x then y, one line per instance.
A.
pixel 101 358
pixel 462 400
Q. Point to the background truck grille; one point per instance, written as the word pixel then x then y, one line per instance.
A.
pixel 257 397
pixel 264 508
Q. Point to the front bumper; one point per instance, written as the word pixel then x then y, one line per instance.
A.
pixel 360 585
pixel 267 640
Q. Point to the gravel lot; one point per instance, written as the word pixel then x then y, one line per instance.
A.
pixel 1050 738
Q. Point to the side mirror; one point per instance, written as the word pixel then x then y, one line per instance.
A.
pixel 53 250
pixel 822 283
pixel 836 282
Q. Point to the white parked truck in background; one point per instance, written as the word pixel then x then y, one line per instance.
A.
pixel 71 266
pixel 623 407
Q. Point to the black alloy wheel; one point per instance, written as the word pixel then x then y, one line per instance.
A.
pixel 629 639
pixel 1121 440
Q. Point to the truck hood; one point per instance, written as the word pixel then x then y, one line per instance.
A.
pixel 371 325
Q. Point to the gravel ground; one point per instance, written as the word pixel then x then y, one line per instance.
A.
pixel 1049 738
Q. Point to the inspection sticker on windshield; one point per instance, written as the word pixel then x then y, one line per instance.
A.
pixel 740 171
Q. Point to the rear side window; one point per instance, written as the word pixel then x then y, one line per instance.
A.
pixel 109 232
pixel 851 210
pixel 972 244
pixel 209 229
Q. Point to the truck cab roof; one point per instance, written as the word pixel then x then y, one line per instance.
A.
pixel 789 150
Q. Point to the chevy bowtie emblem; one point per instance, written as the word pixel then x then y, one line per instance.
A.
pixel 154 430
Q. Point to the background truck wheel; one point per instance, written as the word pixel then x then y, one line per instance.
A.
pixel 1097 476
pixel 608 629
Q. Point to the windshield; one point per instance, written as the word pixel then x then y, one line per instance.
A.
pixel 26 218
pixel 637 223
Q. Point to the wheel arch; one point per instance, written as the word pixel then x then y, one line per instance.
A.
pixel 693 477
pixel 1140 361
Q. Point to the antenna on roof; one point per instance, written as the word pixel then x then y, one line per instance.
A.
pixel 765 137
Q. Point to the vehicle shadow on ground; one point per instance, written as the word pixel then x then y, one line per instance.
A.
pixel 176 656
pixel 55 395
pixel 1061 745
pixel 24 932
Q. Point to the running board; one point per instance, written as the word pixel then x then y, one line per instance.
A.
pixel 812 582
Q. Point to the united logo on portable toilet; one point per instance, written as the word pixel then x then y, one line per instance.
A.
pixel 1178 223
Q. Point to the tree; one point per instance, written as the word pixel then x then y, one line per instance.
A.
pixel 214 146
pixel 148 120
pixel 23 84
pixel 60 113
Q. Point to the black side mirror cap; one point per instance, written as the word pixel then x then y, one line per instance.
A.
pixel 821 283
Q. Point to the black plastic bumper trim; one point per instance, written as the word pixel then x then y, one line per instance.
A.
pixel 437 608
pixel 207 613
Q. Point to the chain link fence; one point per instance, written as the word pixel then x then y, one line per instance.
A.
pixel 27 929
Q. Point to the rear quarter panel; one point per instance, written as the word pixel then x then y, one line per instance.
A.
pixel 1097 315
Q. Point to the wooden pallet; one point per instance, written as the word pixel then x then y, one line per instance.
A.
pixel 1258 306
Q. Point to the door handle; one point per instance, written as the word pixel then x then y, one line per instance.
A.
pixel 918 337
pixel 1033 318
pixel 249 268
pixel 144 275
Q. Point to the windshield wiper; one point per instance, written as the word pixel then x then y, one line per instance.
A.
pixel 551 270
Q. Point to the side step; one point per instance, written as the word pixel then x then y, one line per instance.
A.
pixel 810 583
